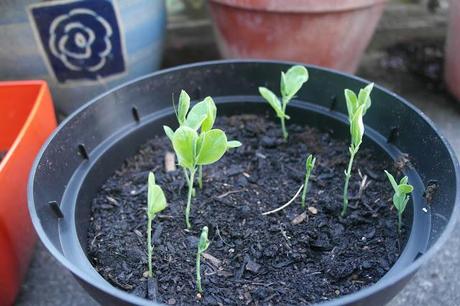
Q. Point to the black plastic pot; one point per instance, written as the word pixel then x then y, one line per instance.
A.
pixel 94 141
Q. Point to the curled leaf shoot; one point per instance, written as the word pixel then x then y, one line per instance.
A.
pixel 203 245
pixel 291 82
pixel 357 107
pixel 309 165
pixel 193 149
pixel 400 196
pixel 156 202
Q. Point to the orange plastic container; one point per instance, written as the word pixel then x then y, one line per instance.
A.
pixel 26 119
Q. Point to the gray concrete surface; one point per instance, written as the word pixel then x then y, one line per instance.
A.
pixel 436 284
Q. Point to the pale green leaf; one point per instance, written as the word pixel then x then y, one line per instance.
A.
pixel 211 114
pixel 364 97
pixel 352 103
pixel 203 244
pixel 184 105
pixel 213 147
pixel 404 204
pixel 398 201
pixel 405 188
pixel 310 162
pixel 357 127
pixel 292 81
pixel 156 200
pixel 184 142
pixel 392 180
pixel 197 115
pixel 273 100
pixel 168 131
pixel 404 180
pixel 233 144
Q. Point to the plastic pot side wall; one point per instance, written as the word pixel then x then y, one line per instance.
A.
pixel 130 114
pixel 319 33
pixel 26 120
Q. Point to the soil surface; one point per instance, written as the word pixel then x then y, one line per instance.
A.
pixel 294 256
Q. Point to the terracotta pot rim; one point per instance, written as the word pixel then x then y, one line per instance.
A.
pixel 300 6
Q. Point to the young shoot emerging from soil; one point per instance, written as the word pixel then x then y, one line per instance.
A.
pixel 203 245
pixel 195 150
pixel 156 202
pixel 309 164
pixel 400 197
pixel 291 82
pixel 357 107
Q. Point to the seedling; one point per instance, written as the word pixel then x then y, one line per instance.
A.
pixel 291 82
pixel 156 202
pixel 203 245
pixel 309 164
pixel 400 197
pixel 357 107
pixel 201 117
pixel 194 150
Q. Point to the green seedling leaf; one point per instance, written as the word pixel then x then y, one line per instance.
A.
pixel 352 103
pixel 273 100
pixel 169 132
pixel 184 105
pixel 403 180
pixel 212 148
pixel 404 188
pixel 210 114
pixel 392 180
pixel 196 143
pixel 233 144
pixel 357 127
pixel 156 200
pixel 310 162
pixel 356 107
pixel 203 244
pixel 292 81
pixel 197 115
pixel 184 141
pixel 364 97
pixel 400 196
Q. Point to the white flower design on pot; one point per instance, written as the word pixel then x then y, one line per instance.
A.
pixel 81 40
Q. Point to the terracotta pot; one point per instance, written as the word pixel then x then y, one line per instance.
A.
pixel 26 119
pixel 331 33
pixel 452 62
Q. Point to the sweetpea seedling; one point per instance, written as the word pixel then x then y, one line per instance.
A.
pixel 201 117
pixel 291 82
pixel 194 150
pixel 309 165
pixel 400 197
pixel 203 245
pixel 156 202
pixel 357 107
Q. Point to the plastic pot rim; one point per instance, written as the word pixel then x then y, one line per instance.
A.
pixel 343 300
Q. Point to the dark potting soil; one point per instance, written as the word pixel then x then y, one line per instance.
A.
pixel 289 257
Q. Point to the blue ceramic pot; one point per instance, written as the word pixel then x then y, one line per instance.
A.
pixel 80 47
